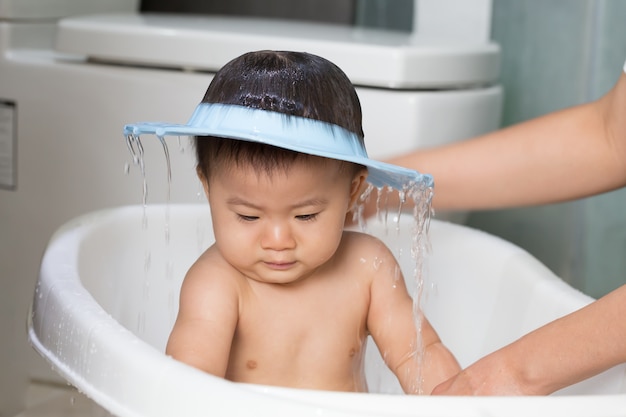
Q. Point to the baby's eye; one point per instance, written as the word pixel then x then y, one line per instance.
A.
pixel 245 218
pixel 307 217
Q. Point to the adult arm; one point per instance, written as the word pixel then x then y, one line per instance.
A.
pixel 563 352
pixel 563 155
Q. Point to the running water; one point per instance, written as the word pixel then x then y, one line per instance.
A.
pixel 136 150
pixel 169 189
pixel 421 197
pixel 414 200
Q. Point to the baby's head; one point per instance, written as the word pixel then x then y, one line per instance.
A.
pixel 291 83
pixel 290 100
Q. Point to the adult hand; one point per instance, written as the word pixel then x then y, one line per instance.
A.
pixel 480 379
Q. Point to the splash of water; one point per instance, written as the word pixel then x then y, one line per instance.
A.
pixel 414 200
pixel 135 147
pixel 358 212
pixel 169 188
pixel 136 150
pixel 421 197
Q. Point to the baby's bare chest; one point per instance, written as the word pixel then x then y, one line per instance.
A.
pixel 302 332
pixel 292 317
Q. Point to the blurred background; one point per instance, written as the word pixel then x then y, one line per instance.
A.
pixel 555 54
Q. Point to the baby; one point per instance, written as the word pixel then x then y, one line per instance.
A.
pixel 285 296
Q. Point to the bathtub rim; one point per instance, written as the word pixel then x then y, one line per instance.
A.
pixel 305 402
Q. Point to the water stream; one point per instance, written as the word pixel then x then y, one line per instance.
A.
pixel 414 199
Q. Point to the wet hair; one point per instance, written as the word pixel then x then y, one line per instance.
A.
pixel 292 83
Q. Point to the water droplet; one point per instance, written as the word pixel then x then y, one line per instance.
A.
pixel 377 262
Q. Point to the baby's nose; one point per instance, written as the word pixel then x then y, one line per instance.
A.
pixel 278 236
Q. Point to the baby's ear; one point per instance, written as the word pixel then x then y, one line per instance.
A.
pixel 357 187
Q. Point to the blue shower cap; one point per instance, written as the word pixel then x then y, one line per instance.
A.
pixel 295 133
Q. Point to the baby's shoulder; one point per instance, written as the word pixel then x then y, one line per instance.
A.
pixel 365 245
pixel 370 258
pixel 207 287
pixel 210 270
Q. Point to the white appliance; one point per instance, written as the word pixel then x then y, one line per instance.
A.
pixel 68 86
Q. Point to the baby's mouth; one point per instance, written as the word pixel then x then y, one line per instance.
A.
pixel 279 265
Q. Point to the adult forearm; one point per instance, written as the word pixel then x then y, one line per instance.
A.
pixel 561 353
pixel 577 346
pixel 564 155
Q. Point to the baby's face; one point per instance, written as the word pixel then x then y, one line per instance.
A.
pixel 280 228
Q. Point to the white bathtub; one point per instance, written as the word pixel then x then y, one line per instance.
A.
pixel 107 298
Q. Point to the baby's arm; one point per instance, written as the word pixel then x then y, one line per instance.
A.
pixel 392 325
pixel 207 317
pixel 438 362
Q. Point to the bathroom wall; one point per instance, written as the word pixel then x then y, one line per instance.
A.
pixel 383 14
pixel 558 53
pixel 555 54
pixel 335 11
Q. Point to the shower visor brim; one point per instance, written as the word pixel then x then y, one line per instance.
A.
pixel 295 133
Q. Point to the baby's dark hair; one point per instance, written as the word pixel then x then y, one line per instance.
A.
pixel 292 83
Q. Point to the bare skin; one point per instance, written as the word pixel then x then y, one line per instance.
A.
pixel 287 297
pixel 569 154
pixel 566 351
pixel 565 155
